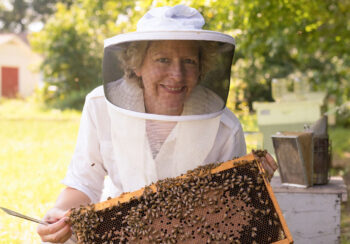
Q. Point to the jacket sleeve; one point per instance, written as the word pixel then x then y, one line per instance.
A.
pixel 86 172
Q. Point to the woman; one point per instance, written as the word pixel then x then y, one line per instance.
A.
pixel 161 112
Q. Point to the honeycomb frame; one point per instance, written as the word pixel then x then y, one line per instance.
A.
pixel 230 202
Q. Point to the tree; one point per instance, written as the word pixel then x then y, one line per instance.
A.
pixel 19 14
pixel 72 45
pixel 14 19
pixel 278 38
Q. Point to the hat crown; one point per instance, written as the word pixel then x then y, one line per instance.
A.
pixel 179 17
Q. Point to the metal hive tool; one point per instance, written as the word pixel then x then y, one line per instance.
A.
pixel 231 202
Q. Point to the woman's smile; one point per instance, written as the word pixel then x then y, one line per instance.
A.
pixel 172 89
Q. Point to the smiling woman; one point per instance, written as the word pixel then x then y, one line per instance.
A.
pixel 161 112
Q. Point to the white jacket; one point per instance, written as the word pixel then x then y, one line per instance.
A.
pixel 93 158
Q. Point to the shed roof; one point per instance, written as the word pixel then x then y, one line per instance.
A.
pixel 18 39
pixel 7 37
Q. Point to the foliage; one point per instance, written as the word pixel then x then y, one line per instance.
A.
pixel 72 56
pixel 278 38
pixel 72 44
pixel 343 115
pixel 19 14
pixel 275 39
pixel 340 138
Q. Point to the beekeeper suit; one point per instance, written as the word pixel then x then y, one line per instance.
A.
pixel 161 110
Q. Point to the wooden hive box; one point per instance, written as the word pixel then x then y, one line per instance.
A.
pixel 230 202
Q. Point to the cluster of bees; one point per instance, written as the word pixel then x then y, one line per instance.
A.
pixel 230 206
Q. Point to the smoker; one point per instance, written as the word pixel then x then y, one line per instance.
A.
pixel 304 158
pixel 322 152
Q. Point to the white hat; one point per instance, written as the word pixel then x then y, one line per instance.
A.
pixel 179 17
pixel 171 23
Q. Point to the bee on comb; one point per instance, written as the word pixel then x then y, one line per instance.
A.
pixel 230 202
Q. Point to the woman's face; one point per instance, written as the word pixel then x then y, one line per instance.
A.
pixel 169 72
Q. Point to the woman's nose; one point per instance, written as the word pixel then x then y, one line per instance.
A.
pixel 176 71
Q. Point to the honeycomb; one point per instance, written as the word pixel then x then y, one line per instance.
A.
pixel 230 202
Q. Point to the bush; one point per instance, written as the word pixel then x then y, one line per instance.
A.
pixel 71 100
pixel 343 115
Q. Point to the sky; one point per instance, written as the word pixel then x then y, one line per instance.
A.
pixel 35 26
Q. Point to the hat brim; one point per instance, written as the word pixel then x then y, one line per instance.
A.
pixel 198 35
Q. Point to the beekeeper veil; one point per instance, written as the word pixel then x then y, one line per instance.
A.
pixel 166 86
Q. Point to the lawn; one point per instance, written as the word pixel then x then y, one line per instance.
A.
pixel 36 147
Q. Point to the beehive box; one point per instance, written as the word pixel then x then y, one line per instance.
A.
pixel 231 202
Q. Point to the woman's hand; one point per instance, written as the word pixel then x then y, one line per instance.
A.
pixel 58 230
pixel 268 162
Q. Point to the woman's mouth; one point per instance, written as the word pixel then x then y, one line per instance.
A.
pixel 173 89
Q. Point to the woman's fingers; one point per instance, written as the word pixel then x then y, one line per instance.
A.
pixel 271 161
pixel 61 236
pixel 54 215
pixel 57 232
pixel 269 164
pixel 52 228
pixel 267 167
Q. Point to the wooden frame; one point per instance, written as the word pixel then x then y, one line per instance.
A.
pixel 127 197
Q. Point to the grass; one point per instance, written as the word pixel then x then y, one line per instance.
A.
pixel 36 148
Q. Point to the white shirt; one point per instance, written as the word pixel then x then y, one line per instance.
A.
pixel 93 158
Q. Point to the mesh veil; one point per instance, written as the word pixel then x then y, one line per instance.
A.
pixel 165 98
pixel 125 89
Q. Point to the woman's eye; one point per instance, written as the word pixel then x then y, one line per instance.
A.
pixel 163 60
pixel 190 61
